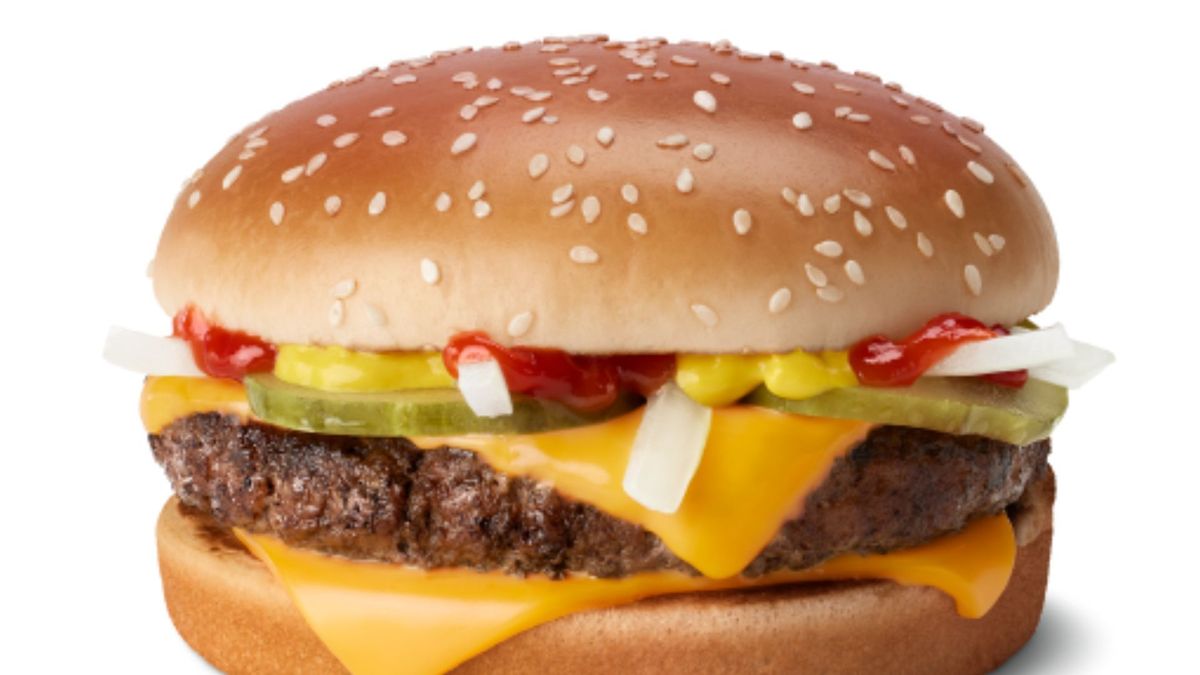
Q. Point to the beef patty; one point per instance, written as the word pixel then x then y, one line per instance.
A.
pixel 385 499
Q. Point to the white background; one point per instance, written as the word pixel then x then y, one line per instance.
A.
pixel 105 108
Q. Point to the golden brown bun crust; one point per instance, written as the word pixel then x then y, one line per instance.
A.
pixel 691 282
pixel 234 613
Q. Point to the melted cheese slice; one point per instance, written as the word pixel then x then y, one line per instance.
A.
pixel 379 618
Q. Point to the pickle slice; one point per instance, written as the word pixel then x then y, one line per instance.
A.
pixel 412 412
pixel 951 405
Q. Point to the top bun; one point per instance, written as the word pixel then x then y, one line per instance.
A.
pixel 600 196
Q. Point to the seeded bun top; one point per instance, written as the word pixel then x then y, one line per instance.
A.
pixel 601 196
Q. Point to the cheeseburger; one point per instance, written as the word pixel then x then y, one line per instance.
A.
pixel 596 356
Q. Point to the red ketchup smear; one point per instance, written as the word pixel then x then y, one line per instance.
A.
pixel 880 362
pixel 219 352
pixel 586 383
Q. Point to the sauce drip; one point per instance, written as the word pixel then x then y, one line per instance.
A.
pixel 220 352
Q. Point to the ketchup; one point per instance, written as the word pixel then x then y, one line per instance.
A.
pixel 220 352
pixel 880 362
pixel 585 383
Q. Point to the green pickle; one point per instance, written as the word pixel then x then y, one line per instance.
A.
pixel 960 406
pixel 413 412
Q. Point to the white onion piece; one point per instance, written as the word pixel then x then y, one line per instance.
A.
pixel 482 385
pixel 149 354
pixel 1074 372
pixel 667 449
pixel 1019 351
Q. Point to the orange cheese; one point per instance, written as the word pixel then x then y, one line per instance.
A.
pixel 379 618
pixel 166 399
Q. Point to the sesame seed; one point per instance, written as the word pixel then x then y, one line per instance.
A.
pixel 376 315
pixel 538 164
pixel 841 111
pixel 802 120
pixel 463 143
pixel 485 101
pixel 706 314
pixel 605 135
pixel 901 101
pixel 672 141
pixel 974 279
pixel 832 203
pixel 464 76
pixel 597 95
pixel 924 245
pixel 828 248
pixel 337 313
pixel 984 245
pixel 231 177
pixel 468 112
pixel 789 195
pixel 549 119
pixel 476 190
pixel 533 114
pixel 981 172
pixel 333 204
pixel 315 163
pixel 377 204
pixel 584 255
pixel 804 88
pixel 955 203
pixel 262 130
pixel 193 199
pixel 970 145
pixel 538 96
pixel 245 154
pixel 830 294
pixel 590 207
pixel 442 202
pixel 560 210
pixel 1017 173
pixel 292 174
pixel 704 151
pixel 815 275
pixel 404 79
pixel 520 90
pixel 345 140
pixel 681 60
pixel 326 120
pixel 576 155
pixel 573 80
pixel 719 78
pixel 923 120
pixel 430 272
pixel 880 160
pixel 858 198
pixel 276 212
pixel 705 100
pixel 629 193
pixel 635 77
pixel 563 72
pixel 481 209
pixel 343 289
pixel 685 181
pixel 554 47
pixel 742 221
pixel 779 300
pixel 861 118
pixel 563 61
pixel 897 218
pixel 588 70
pixel 637 223
pixel 997 242
pixel 562 193
pixel 854 272
pixel 494 84
pixel 949 128
pixel 804 205
pixel 519 324
pixel 907 155
pixel 971 124
pixel 382 111
pixel 862 224
pixel 393 138
pixel 846 88
pixel 255 143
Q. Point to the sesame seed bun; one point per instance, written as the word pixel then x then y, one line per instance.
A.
pixel 598 196
pixel 232 611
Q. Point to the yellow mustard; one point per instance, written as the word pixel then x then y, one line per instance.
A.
pixel 340 369
pixel 722 379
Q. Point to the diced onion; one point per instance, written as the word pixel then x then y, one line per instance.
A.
pixel 482 385
pixel 667 449
pixel 1087 362
pixel 1019 351
pixel 149 354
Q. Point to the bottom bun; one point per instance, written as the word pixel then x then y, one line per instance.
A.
pixel 230 609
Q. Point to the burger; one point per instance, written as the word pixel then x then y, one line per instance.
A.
pixel 594 356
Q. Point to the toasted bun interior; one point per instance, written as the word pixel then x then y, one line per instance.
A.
pixel 601 196
pixel 232 611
